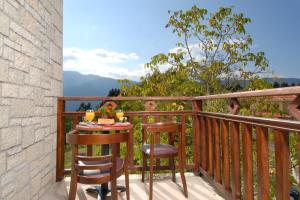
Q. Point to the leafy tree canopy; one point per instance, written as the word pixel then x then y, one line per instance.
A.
pixel 84 106
pixel 212 55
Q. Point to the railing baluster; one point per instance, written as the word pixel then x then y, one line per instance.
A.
pixel 225 155
pixel 157 139
pixel 75 121
pixel 197 107
pixel 60 165
pixel 247 161
pixel 216 126
pixel 236 171
pixel 210 148
pixel 263 163
pixel 183 121
pixel 203 143
pixel 298 150
pixel 282 159
pixel 170 141
pixel 131 144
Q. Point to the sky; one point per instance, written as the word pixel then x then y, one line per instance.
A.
pixel 116 38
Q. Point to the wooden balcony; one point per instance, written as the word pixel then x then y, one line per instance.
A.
pixel 242 157
pixel 164 189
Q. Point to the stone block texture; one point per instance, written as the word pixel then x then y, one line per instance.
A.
pixel 30 82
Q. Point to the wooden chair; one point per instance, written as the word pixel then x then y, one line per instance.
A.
pixel 155 150
pixel 98 169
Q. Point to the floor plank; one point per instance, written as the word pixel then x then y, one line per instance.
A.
pixel 164 189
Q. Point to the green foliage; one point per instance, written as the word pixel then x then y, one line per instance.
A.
pixel 114 92
pixel 102 111
pixel 213 55
pixel 84 106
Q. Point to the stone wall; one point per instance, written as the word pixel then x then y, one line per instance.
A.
pixel 30 81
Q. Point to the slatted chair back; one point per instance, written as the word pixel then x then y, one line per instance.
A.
pixel 155 129
pixel 107 163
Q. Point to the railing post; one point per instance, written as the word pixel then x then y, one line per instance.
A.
pixel 157 140
pixel 263 163
pixel 60 140
pixel 203 144
pixel 295 112
pixel 131 145
pixel 197 107
pixel 216 127
pixel 282 159
pixel 183 122
pixel 225 154
pixel 210 148
pixel 235 150
pixel 247 161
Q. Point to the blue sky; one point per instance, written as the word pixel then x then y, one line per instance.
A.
pixel 116 38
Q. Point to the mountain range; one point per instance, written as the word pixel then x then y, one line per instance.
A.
pixel 76 84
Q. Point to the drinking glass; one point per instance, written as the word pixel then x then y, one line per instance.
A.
pixel 89 115
pixel 120 115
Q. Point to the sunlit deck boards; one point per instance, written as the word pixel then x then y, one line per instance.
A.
pixel 164 189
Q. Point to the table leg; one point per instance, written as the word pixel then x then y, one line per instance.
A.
pixel 103 190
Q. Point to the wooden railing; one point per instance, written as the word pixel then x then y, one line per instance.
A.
pixel 182 115
pixel 232 152
pixel 236 151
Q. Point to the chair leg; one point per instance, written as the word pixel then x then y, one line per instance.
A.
pixel 73 186
pixel 151 178
pixel 114 192
pixel 127 183
pixel 172 162
pixel 181 170
pixel 144 167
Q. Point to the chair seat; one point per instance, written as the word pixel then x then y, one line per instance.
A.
pixel 161 150
pixel 99 176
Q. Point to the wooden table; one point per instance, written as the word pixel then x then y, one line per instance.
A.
pixel 105 129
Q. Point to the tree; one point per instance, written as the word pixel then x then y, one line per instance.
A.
pixel 235 88
pixel 114 92
pixel 284 84
pixel 84 106
pixel 212 47
pixel 276 85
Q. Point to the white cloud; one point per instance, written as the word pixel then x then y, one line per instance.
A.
pixel 195 49
pixel 103 63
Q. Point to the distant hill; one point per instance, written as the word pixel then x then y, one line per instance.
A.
pixel 289 81
pixel 286 80
pixel 76 84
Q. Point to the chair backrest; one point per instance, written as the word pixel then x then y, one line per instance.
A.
pixel 103 163
pixel 162 127
pixel 159 127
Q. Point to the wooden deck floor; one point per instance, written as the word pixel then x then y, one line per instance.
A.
pixel 164 189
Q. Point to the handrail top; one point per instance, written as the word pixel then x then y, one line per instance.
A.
pixel 250 118
pixel 258 93
pixel 131 98
pixel 281 124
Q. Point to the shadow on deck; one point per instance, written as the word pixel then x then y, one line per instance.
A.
pixel 164 189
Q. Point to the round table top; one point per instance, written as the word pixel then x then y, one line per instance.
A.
pixel 108 127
